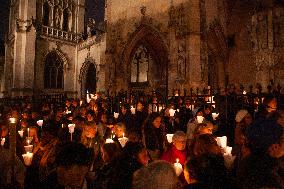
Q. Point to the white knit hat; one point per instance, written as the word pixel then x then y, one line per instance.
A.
pixel 240 115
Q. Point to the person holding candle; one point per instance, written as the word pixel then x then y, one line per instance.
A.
pixel 177 152
pixel 72 165
pixel 204 144
pixel 126 117
pixel 192 124
pixel 240 150
pixel 154 135
pixel 140 117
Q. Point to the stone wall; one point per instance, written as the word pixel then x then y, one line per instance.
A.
pixel 170 28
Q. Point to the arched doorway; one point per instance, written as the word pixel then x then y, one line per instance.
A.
pixel 88 77
pixel 91 79
pixel 147 60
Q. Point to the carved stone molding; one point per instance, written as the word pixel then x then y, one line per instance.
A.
pixel 23 25
pixel 179 20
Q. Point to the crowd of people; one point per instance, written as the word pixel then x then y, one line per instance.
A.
pixel 80 145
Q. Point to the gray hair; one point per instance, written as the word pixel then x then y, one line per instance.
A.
pixel 157 175
pixel 179 135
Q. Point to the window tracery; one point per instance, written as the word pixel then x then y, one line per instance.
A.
pixel 53 72
pixel 140 65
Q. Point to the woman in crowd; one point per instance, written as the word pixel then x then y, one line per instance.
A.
pixel 154 136
pixel 73 162
pixel 192 124
pixel 204 144
pixel 134 156
pixel 102 178
pixel 206 171
pixel 240 149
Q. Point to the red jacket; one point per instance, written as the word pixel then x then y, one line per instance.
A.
pixel 172 154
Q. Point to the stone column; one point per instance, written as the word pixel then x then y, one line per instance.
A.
pixel 24 52
pixel 194 45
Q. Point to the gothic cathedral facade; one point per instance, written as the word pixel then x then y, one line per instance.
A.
pixel 147 45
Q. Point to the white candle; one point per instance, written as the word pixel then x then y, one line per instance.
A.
pixel 3 141
pixel 132 109
pixel 81 102
pixel 244 92
pixel 28 132
pixel 115 115
pixel 200 119
pixel 123 135
pixel 215 115
pixel 40 123
pixel 21 133
pixel 222 141
pixel 12 120
pixel 109 140
pixel 178 167
pixel 123 141
pixel 71 129
pixel 170 137
pixel 228 150
pixel 172 112
pixel 28 157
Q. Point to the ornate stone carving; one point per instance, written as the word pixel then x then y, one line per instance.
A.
pixel 278 27
pixel 90 26
pixel 181 60
pixel 179 20
pixel 23 25
pixel 262 30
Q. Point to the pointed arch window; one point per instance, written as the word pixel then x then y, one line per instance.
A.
pixel 45 19
pixel 53 72
pixel 140 65
pixel 66 20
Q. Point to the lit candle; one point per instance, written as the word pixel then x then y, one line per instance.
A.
pixel 244 93
pixel 109 140
pixel 122 135
pixel 71 129
pixel 222 141
pixel 200 119
pixel 172 112
pixel 170 137
pixel 115 115
pixel 28 132
pixel 178 167
pixel 40 123
pixel 12 120
pixel 28 157
pixel 21 133
pixel 3 141
pixel 215 115
pixel 132 109
pixel 81 102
